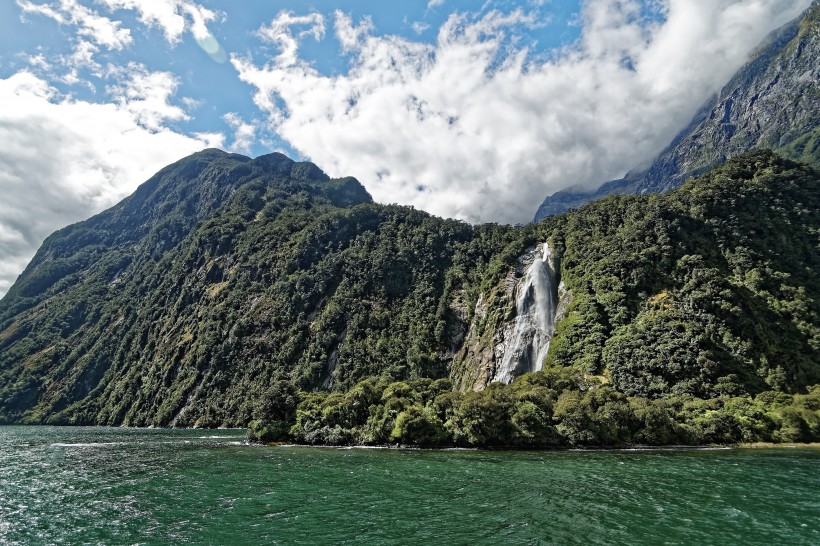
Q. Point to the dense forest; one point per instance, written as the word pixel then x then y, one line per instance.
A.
pixel 235 292
pixel 220 276
pixel 546 409
pixel 694 319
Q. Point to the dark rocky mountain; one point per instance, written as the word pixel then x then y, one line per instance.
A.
pixel 229 291
pixel 773 102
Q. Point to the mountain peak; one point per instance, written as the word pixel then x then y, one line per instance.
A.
pixel 772 102
pixel 166 208
pixel 283 165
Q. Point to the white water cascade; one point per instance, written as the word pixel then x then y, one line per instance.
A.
pixel 536 299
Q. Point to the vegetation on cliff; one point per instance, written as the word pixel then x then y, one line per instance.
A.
pixel 708 290
pixel 694 319
pixel 232 292
pixel 221 276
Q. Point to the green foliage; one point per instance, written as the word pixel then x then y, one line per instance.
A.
pixel 483 418
pixel 661 352
pixel 417 425
pixel 236 292
pixel 708 290
pixel 553 408
pixel 275 413
pixel 221 277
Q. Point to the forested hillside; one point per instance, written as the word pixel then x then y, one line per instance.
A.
pixel 232 292
pixel 221 275
pixel 691 317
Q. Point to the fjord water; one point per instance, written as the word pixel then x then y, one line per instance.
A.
pixel 130 486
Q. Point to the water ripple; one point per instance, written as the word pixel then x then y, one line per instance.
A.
pixel 125 486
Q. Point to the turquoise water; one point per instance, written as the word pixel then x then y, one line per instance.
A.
pixel 127 486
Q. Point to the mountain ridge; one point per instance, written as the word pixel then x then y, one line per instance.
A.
pixel 783 77
pixel 289 287
pixel 171 192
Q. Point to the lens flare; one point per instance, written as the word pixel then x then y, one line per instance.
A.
pixel 213 48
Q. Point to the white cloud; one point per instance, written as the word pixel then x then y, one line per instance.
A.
pixel 419 27
pixel 173 17
pixel 39 62
pixel 434 3
pixel 146 96
pixel 93 32
pixel 81 58
pixel 244 134
pixel 63 160
pixel 279 33
pixel 472 127
pixel 102 31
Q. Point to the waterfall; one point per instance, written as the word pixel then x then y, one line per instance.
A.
pixel 536 298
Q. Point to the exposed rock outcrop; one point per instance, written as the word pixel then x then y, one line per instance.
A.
pixel 772 102
pixel 512 328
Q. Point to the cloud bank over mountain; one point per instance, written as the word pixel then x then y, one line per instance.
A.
pixel 63 160
pixel 474 126
pixel 478 122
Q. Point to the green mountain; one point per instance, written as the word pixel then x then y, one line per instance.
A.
pixel 231 291
pixel 773 102
pixel 218 276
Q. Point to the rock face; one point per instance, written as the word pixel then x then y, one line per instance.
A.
pixel 772 102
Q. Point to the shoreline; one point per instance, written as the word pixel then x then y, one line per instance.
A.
pixel 785 445
pixel 408 447
pixel 715 447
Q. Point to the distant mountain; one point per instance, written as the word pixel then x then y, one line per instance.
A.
pixel 229 291
pixel 772 102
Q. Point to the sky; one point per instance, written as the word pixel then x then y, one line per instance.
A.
pixel 469 110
